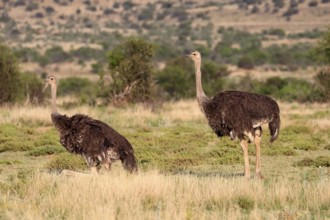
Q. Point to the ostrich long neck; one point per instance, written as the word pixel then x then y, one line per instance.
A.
pixel 54 107
pixel 201 97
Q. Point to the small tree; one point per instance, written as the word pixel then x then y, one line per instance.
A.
pixel 323 48
pixel 323 82
pixel 9 76
pixel 323 77
pixel 131 71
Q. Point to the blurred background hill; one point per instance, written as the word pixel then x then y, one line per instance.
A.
pixel 252 45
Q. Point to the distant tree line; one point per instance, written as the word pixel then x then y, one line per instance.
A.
pixel 130 74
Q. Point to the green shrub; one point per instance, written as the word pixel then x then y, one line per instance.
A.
pixel 32 6
pixel 275 32
pixel 9 76
pixel 56 55
pixel 323 47
pixel 323 161
pixel 313 34
pixel 289 89
pixel 246 203
pixel 27 55
pixel 175 82
pixel 127 5
pixel 32 88
pixel 245 62
pixel 66 161
pixel 323 81
pixel 131 70
pixel 213 76
pixel 46 150
pixel 87 53
pixel 74 86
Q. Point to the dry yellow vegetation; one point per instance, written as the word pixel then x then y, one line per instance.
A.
pixel 152 195
pixel 204 188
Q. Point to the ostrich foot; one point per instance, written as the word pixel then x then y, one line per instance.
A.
pixel 259 175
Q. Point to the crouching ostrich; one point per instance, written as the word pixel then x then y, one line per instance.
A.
pixel 97 142
pixel 238 115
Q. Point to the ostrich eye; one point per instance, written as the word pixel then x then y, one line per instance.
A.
pixel 194 54
pixel 51 78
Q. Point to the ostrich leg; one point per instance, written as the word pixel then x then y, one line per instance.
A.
pixel 94 170
pixel 107 164
pixel 257 140
pixel 244 146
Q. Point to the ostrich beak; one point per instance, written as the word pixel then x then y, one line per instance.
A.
pixel 46 86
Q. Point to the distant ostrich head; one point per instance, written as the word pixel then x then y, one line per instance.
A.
pixel 195 56
pixel 51 80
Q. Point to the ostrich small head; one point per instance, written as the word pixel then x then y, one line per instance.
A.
pixel 195 56
pixel 50 80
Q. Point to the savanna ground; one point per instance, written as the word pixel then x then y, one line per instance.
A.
pixel 186 172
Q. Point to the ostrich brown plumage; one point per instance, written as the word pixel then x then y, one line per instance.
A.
pixel 238 115
pixel 97 142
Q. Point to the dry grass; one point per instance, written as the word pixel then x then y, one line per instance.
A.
pixel 207 190
pixel 141 115
pixel 154 196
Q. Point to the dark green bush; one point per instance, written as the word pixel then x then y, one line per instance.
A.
pixel 245 62
pixel 66 161
pixel 56 55
pixel 74 86
pixel 46 150
pixel 27 55
pixel 131 70
pixel 127 5
pixel 275 32
pixel 32 87
pixel 289 89
pixel 32 6
pixel 323 47
pixel 87 53
pixel 9 76
pixel 177 79
pixel 175 82
pixel 213 77
pixel 323 81
pixel 323 161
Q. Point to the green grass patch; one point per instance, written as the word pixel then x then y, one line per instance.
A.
pixel 10 162
pixel 50 137
pixel 46 150
pixel 321 161
pixel 66 161
pixel 24 138
pixel 246 203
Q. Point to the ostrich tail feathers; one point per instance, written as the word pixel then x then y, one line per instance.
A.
pixel 129 162
pixel 274 128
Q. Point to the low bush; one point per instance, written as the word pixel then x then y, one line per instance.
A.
pixel 46 150
pixel 245 62
pixel 323 81
pixel 74 86
pixel 289 89
pixel 321 161
pixel 9 76
pixel 32 88
pixel 66 161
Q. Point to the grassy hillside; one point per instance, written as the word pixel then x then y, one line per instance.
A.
pixel 186 172
pixel 174 27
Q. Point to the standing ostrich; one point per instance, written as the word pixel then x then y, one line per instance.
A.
pixel 238 115
pixel 97 142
